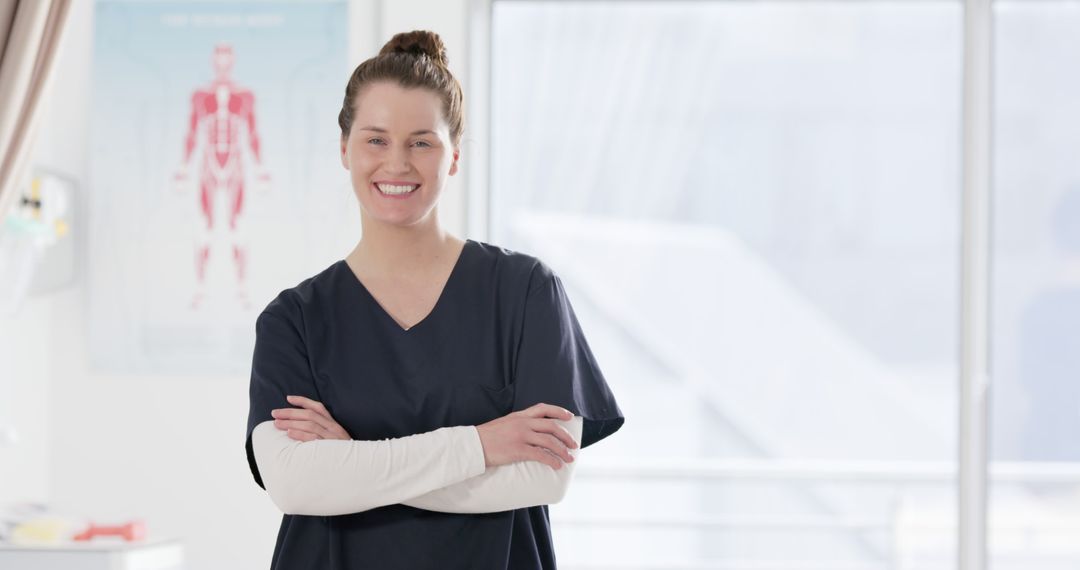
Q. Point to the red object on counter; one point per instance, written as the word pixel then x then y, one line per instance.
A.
pixel 132 531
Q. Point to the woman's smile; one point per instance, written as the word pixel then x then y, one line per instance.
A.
pixel 396 190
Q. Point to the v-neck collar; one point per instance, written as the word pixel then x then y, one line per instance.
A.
pixel 438 302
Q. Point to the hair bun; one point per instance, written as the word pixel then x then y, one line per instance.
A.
pixel 418 42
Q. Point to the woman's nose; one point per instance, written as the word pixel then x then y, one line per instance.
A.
pixel 398 161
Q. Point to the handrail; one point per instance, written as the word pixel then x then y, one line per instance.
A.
pixel 733 565
pixel 908 472
pixel 742 522
pixel 897 474
pixel 1056 523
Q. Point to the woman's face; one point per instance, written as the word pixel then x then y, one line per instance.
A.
pixel 398 141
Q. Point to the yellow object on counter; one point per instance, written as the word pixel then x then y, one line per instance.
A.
pixel 43 530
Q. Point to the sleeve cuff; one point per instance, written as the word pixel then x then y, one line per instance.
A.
pixel 471 450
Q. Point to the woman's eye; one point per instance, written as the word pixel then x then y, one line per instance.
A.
pixel 423 143
pixel 375 141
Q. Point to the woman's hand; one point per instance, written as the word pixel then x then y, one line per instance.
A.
pixel 308 423
pixel 528 435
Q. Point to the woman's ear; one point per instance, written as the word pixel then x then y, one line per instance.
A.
pixel 345 152
pixel 453 165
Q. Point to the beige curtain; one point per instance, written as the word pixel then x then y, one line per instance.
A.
pixel 30 32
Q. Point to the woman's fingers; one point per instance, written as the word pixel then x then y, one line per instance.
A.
pixel 298 414
pixel 310 404
pixel 315 413
pixel 527 435
pixel 538 454
pixel 552 444
pixel 549 426
pixel 304 426
pixel 542 410
pixel 302 435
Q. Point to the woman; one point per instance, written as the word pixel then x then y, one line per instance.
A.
pixel 418 404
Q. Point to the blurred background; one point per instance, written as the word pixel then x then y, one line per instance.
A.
pixel 755 206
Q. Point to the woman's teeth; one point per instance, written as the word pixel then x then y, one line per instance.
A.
pixel 391 189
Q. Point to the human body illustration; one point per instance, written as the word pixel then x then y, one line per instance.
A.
pixel 220 112
pixel 420 403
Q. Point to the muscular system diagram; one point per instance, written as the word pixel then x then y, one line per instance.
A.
pixel 219 112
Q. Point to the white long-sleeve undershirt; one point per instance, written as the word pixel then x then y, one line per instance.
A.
pixel 441 470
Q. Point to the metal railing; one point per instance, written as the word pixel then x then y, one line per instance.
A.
pixel 897 475
pixel 894 472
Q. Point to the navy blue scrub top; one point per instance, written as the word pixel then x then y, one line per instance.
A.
pixel 501 337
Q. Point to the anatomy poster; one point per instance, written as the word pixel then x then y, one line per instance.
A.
pixel 215 179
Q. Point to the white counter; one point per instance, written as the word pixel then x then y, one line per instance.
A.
pixel 159 554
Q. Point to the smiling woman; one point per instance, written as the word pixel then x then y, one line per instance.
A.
pixel 419 403
pixel 403 153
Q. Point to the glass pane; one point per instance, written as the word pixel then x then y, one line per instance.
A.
pixel 755 208
pixel 1035 439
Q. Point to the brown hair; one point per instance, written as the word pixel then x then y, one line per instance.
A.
pixel 414 59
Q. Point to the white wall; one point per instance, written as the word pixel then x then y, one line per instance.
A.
pixel 24 410
pixel 168 449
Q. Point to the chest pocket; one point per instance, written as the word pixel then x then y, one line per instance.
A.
pixel 474 404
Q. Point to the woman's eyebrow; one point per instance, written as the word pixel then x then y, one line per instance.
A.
pixel 379 130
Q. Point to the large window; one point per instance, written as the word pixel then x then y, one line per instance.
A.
pixel 1035 505
pixel 756 209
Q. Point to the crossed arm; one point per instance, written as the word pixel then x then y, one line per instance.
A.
pixel 441 470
